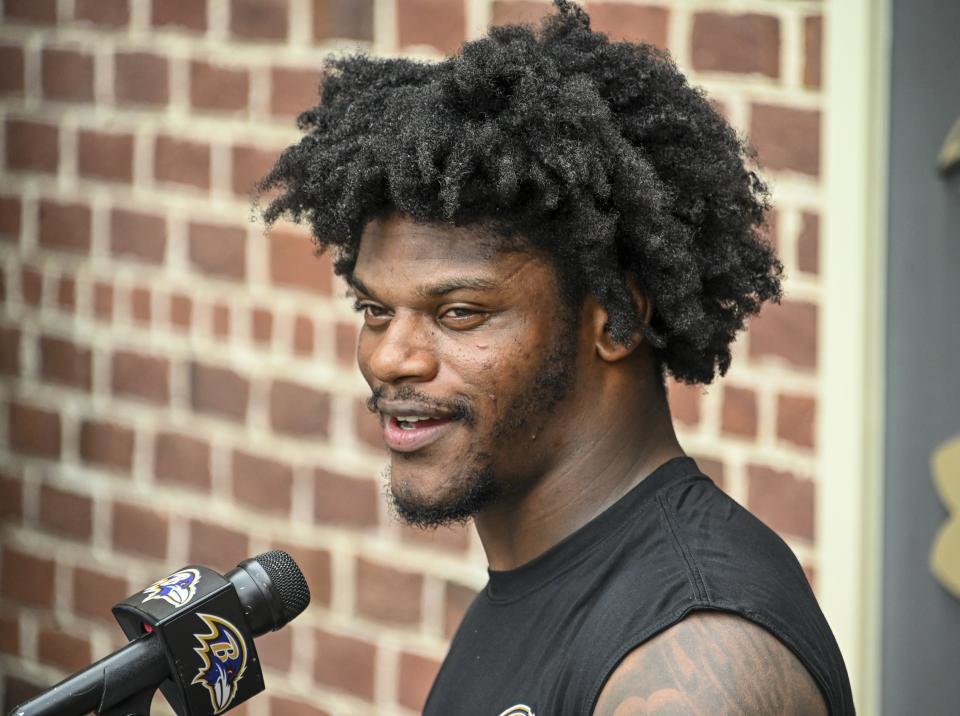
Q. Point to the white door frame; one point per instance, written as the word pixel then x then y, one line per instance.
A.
pixel 850 427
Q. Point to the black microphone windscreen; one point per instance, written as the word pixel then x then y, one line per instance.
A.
pixel 287 580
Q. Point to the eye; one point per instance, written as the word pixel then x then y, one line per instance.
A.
pixel 463 317
pixel 373 314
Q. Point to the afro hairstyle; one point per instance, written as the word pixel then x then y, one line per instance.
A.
pixel 598 152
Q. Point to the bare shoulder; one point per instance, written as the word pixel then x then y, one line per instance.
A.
pixel 711 663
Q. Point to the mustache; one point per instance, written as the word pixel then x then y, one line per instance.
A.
pixel 460 408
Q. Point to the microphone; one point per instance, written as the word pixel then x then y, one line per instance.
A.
pixel 192 636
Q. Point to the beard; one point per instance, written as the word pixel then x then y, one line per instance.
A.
pixel 477 486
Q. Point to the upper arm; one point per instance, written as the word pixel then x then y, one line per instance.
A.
pixel 711 663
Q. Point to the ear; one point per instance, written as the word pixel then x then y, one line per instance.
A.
pixel 607 348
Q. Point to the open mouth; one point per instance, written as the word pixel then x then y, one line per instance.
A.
pixel 406 433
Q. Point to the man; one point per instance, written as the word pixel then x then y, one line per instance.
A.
pixel 536 231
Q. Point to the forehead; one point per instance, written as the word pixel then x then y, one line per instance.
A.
pixel 406 251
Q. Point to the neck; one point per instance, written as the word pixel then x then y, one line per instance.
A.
pixel 631 435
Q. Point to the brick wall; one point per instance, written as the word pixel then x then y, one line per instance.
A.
pixel 178 387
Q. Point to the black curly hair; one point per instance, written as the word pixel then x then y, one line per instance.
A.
pixel 598 152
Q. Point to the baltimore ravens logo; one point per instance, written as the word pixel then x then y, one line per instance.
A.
pixel 177 589
pixel 224 655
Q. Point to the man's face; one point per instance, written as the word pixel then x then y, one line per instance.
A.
pixel 470 354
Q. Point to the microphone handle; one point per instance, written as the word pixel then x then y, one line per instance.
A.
pixel 138 666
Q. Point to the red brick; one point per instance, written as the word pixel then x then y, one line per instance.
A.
pixel 808 243
pixel 259 19
pixel 11 497
pixel 182 161
pixel 796 418
pixel 782 500
pixel 290 707
pixel 219 88
pixel 292 91
pixel 275 650
pixel 250 165
pixel 62 650
pixel 294 263
pixel 181 14
pixel 67 75
pixel 65 227
pixel 343 18
pixel 95 592
pixel 367 426
pixel 345 501
pixel 141 376
pixel 32 146
pixel 182 460
pixel 10 218
pixel 67 293
pixel 628 22
pixel 445 30
pixel 105 13
pixel 107 444
pixel 33 431
pixel 220 325
pixel 261 325
pixel 217 547
pixel 457 599
pixel 298 410
pixel 66 513
pixel 9 636
pixel 786 139
pixel 414 679
pixel 346 340
pixel 344 663
pixel 787 331
pixel 65 363
pixel 684 401
pixel 105 155
pixel 31 286
pixel 139 530
pixel 519 12
pixel 261 483
pixel 812 50
pixel 103 300
pixel 140 309
pixel 387 594
pixel 41 12
pixel 138 235
pixel 181 311
pixel 219 391
pixel 739 411
pixel 316 565
pixel 11 70
pixel 140 78
pixel 303 336
pixel 26 578
pixel 9 351
pixel 219 250
pixel 747 43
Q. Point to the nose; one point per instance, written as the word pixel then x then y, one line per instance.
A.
pixel 404 351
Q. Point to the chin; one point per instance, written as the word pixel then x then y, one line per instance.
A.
pixel 459 498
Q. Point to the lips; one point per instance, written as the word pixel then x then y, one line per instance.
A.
pixel 418 435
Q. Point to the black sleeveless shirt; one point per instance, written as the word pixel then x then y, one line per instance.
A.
pixel 543 638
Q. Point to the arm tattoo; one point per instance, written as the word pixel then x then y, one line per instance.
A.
pixel 711 663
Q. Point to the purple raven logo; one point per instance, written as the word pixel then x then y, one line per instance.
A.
pixel 224 655
pixel 177 589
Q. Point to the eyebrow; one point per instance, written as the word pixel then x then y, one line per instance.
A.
pixel 437 289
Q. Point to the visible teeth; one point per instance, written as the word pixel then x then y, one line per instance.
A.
pixel 411 419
